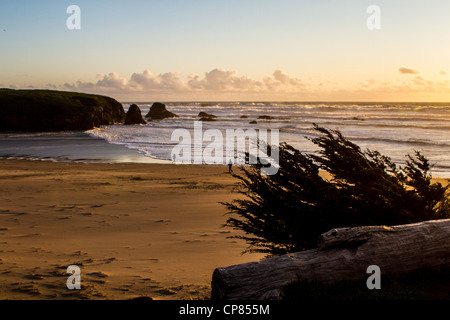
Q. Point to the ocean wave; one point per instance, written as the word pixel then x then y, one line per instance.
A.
pixel 393 129
pixel 409 142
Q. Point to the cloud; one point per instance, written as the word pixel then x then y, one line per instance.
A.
pixel 223 80
pixel 216 80
pixel 283 81
pixel 408 71
pixel 443 72
pixel 154 82
pixel 286 79
pixel 221 84
pixel 112 80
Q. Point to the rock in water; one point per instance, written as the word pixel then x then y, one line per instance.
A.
pixel 134 115
pixel 158 111
pixel 207 119
pixel 49 110
pixel 266 117
pixel 206 115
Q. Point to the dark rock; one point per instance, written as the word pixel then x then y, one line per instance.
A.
pixel 244 117
pixel 134 116
pixel 49 110
pixel 207 119
pixel 206 115
pixel 266 117
pixel 158 111
pixel 253 122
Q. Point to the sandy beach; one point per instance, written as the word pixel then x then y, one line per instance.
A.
pixel 134 230
pixel 152 230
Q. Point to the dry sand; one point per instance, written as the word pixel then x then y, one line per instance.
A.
pixel 134 229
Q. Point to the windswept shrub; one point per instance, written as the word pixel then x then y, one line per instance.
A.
pixel 339 186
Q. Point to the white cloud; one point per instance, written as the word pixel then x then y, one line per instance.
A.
pixel 220 84
pixel 286 79
pixel 216 80
pixel 150 82
pixel 283 81
pixel 112 80
pixel 223 80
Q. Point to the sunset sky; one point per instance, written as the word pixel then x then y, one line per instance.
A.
pixel 210 50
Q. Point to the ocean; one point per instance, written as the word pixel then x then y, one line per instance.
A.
pixel 393 129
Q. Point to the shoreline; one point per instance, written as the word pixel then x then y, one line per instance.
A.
pixel 69 146
pixel 84 147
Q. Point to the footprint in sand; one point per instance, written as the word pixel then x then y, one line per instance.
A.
pixel 34 276
pixel 165 292
pixel 163 221
pixel 83 262
pixel 12 213
pixel 60 271
pixel 25 235
pixel 79 253
pixel 30 289
pixel 98 274
pixel 109 260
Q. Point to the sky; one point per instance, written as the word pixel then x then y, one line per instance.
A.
pixel 210 50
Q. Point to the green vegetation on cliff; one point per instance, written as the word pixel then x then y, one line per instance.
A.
pixel 48 110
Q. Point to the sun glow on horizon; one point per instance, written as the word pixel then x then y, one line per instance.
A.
pixel 241 50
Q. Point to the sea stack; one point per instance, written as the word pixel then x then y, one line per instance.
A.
pixel 265 117
pixel 206 115
pixel 134 115
pixel 158 111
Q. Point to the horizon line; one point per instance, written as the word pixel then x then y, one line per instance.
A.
pixel 283 101
pixel 236 101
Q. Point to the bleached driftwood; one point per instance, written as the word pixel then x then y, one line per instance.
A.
pixel 343 254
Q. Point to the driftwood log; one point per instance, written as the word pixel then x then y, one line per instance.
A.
pixel 343 254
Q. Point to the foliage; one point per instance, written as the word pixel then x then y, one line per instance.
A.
pixel 339 186
pixel 51 110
